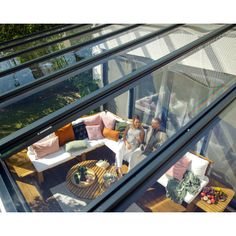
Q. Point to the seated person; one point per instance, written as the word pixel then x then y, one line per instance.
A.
pixel 155 138
pixel 132 138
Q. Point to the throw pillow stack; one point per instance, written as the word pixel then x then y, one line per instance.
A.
pixel 101 126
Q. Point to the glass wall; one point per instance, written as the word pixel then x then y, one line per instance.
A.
pixel 203 179
pixel 65 33
pixel 52 65
pixel 54 178
pixel 68 89
pixel 28 56
pixel 66 170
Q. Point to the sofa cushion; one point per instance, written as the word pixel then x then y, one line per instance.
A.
pixel 80 131
pixel 179 168
pixel 92 120
pixel 198 165
pixel 108 120
pixel 121 126
pixel 76 145
pixel 94 132
pixel 111 134
pixel 43 148
pixel 65 134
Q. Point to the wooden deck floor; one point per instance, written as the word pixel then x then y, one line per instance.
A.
pixel 40 198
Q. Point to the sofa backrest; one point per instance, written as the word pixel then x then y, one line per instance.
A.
pixel 82 119
pixel 199 164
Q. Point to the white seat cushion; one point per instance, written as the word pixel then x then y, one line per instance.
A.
pixel 60 156
pixel 50 160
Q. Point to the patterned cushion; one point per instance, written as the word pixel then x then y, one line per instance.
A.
pixel 80 131
pixel 121 126
pixel 76 145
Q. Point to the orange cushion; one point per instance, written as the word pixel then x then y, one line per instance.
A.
pixel 65 134
pixel 111 134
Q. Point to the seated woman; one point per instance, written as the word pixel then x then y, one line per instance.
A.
pixel 155 138
pixel 132 138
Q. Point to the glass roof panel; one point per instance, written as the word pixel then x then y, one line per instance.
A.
pixel 21 39
pixel 37 42
pixel 67 89
pixel 28 56
pixel 38 70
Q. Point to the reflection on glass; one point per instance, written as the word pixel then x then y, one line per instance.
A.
pixel 15 49
pixel 44 68
pixel 205 175
pixel 70 187
pixel 170 103
pixel 56 47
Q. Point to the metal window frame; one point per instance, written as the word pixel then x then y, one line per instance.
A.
pixel 26 136
pixel 7 57
pixel 17 201
pixel 41 36
pixel 33 34
pixel 64 50
pixel 43 80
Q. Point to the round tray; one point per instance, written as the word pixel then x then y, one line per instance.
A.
pixel 84 184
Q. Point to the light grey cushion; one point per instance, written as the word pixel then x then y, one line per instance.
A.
pixel 76 145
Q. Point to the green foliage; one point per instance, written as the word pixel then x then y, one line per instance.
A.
pixel 13 31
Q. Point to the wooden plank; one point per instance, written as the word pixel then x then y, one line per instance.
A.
pixel 21 164
pixel 30 192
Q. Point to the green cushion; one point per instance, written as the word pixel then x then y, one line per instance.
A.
pixel 121 126
pixel 75 146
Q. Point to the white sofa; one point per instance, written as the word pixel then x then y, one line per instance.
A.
pixel 62 156
pixel 199 167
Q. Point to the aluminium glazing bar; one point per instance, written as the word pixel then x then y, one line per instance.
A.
pixel 152 168
pixel 16 201
pixel 65 50
pixel 52 42
pixel 27 87
pixel 39 129
pixel 41 36
pixel 32 35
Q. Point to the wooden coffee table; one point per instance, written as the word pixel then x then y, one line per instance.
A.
pixel 220 206
pixel 95 189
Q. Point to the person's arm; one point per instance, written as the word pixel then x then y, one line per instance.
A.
pixel 125 134
pixel 161 139
pixel 142 134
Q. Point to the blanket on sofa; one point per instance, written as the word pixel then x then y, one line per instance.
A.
pixel 176 190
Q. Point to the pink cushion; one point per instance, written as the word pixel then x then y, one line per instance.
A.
pixel 93 120
pixel 43 148
pixel 179 168
pixel 108 120
pixel 94 132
